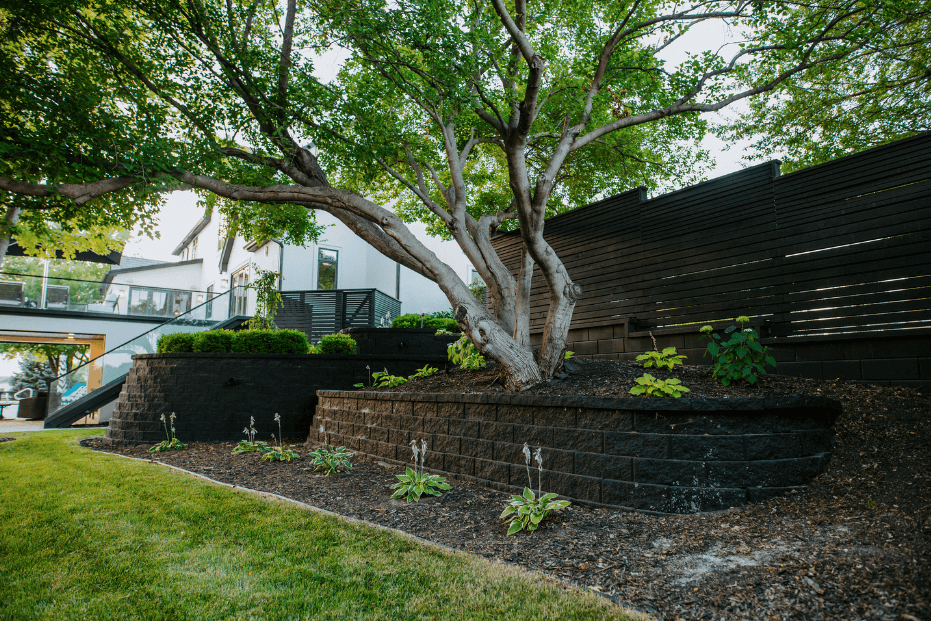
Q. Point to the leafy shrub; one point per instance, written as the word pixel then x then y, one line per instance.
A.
pixel 444 314
pixel 270 342
pixel 213 341
pixel 382 378
pixel 172 443
pixel 415 482
pixel 175 343
pixel 330 459
pixel 464 353
pixel 739 357
pixel 652 387
pixel 528 510
pixel 665 359
pixel 429 321
pixel 336 344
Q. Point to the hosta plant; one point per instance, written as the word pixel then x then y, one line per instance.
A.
pixel 415 482
pixel 280 452
pixel 665 359
pixel 330 459
pixel 652 387
pixel 425 371
pixel 525 512
pixel 739 357
pixel 171 443
pixel 250 444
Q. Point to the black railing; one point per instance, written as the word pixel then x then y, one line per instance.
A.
pixel 325 311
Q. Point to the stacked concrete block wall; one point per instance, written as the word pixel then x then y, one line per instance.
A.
pixel 903 360
pixel 670 456
pixel 213 395
pixel 407 341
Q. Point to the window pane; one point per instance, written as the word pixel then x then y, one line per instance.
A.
pixel 326 269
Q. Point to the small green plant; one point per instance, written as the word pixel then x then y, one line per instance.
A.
pixel 172 443
pixel 568 355
pixel 477 288
pixel 464 353
pixel 250 444
pixel 415 482
pixel 371 379
pixel 336 344
pixel 267 298
pixel 280 452
pixel 665 359
pixel 328 458
pixel 425 371
pixel 528 510
pixel 652 387
pixel 740 357
pixel 385 379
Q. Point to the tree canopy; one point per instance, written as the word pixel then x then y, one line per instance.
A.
pixel 471 116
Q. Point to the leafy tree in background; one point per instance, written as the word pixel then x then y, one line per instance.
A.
pixel 57 359
pixel 33 374
pixel 81 277
pixel 471 116
pixel 881 93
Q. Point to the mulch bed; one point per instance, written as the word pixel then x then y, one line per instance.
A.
pixel 8 439
pixel 856 545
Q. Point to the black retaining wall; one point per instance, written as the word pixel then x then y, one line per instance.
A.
pixel 213 395
pixel 408 341
pixel 671 456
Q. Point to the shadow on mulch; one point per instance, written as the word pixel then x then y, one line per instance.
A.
pixel 856 545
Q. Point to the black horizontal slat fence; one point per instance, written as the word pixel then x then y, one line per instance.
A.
pixel 331 310
pixel 843 247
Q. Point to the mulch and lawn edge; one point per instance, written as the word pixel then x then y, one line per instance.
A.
pixel 857 544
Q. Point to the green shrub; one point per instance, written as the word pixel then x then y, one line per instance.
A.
pixel 429 321
pixel 175 343
pixel 740 357
pixel 336 344
pixel 270 342
pixel 219 341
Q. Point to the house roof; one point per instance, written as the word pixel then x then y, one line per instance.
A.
pixel 154 265
pixel 201 224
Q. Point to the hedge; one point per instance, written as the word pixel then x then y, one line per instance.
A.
pixel 270 342
pixel 219 341
pixel 175 343
pixel 429 321
pixel 336 344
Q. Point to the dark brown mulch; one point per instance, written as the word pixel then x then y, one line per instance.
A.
pixel 7 439
pixel 856 545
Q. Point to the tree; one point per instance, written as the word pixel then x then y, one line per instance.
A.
pixel 57 359
pixel 876 96
pixel 472 116
pixel 33 374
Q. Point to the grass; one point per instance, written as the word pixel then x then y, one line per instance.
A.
pixel 91 536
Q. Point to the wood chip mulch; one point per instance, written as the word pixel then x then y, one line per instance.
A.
pixel 856 545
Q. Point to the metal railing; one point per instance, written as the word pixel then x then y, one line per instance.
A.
pixel 88 296
pixel 116 362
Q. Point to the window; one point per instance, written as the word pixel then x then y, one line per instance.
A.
pixel 194 248
pixel 240 299
pixel 476 277
pixel 327 261
pixel 209 308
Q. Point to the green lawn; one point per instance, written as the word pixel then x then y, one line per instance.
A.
pixel 91 536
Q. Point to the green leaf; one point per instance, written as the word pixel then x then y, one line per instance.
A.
pixel 528 494
pixel 515 527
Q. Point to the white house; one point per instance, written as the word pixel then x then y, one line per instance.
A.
pixel 211 263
